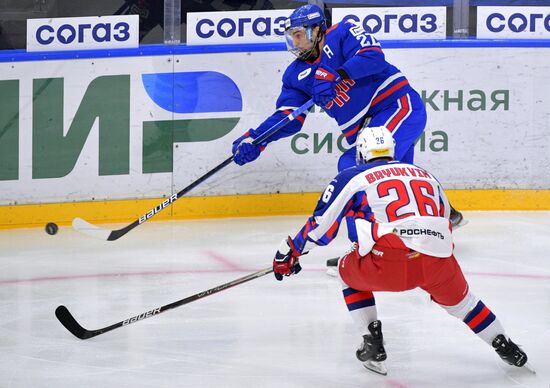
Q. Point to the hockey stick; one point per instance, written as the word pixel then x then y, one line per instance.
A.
pixel 65 317
pixel 104 234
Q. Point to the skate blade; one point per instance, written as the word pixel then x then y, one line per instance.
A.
pixel 462 223
pixel 376 366
pixel 530 368
pixel 332 272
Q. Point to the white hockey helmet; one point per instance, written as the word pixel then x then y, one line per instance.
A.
pixel 373 143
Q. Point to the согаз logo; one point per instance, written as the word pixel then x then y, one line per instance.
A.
pixel 67 33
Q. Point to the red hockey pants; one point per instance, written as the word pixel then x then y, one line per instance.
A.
pixel 391 266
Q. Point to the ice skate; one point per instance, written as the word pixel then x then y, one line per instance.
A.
pixel 457 219
pixel 510 352
pixel 332 267
pixel 371 352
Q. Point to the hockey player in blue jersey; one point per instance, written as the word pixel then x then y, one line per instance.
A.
pixel 405 241
pixel 344 70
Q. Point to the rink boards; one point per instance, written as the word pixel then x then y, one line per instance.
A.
pixel 111 133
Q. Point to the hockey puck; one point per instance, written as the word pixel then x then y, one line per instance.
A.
pixel 51 228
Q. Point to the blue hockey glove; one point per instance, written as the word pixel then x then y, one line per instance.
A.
pixel 286 260
pixel 324 85
pixel 244 151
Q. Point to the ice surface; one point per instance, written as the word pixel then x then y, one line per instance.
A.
pixel 295 333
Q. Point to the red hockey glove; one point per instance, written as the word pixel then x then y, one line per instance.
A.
pixel 286 260
pixel 324 85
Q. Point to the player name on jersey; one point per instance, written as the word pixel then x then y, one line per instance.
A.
pixel 395 172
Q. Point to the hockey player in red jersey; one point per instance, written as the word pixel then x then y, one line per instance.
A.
pixel 344 70
pixel 404 241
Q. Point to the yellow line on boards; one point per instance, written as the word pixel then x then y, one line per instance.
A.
pixel 126 211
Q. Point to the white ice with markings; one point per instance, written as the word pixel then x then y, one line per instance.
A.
pixel 294 333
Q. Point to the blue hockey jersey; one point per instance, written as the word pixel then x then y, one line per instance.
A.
pixel 373 85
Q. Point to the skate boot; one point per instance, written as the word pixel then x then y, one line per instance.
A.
pixel 371 352
pixel 456 218
pixel 332 267
pixel 509 351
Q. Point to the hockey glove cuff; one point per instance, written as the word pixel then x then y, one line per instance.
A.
pixel 244 151
pixel 286 261
pixel 324 85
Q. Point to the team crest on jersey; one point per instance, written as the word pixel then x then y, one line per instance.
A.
pixel 304 74
pixel 328 51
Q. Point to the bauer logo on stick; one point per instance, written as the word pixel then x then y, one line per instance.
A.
pixel 141 316
pixel 157 209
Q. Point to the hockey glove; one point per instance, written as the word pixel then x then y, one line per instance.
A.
pixel 244 151
pixel 286 260
pixel 324 85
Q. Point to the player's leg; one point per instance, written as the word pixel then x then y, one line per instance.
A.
pixel 360 275
pixel 449 289
pixel 405 119
pixel 360 304
pixel 347 159
pixel 332 267
pixel 456 218
pixel 371 351
pixel 362 308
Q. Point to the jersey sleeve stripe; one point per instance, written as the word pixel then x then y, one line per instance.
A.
pixel 333 212
pixel 333 229
pixel 368 49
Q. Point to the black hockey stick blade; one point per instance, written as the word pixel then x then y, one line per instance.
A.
pixel 66 318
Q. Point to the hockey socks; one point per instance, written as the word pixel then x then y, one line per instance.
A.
pixel 362 307
pixel 477 317
pixel 483 322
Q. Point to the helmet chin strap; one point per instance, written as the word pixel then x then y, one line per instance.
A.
pixel 315 51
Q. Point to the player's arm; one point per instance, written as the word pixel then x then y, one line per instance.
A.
pixel 337 200
pixel 364 57
pixel 320 229
pixel 289 100
pixel 363 53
